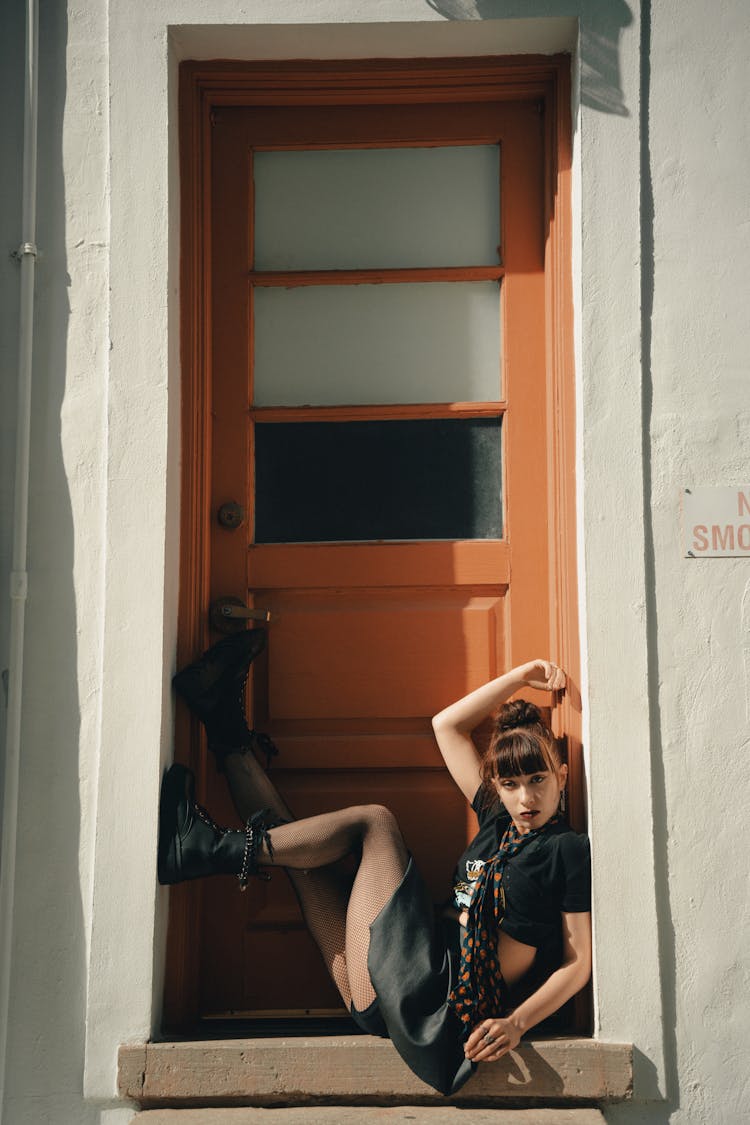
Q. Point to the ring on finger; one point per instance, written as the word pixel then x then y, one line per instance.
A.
pixel 488 1038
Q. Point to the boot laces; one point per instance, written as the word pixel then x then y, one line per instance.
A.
pixel 206 817
pixel 256 833
pixel 264 741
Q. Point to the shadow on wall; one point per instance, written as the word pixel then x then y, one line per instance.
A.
pixel 46 1034
pixel 602 23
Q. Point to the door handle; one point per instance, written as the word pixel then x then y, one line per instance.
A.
pixel 228 615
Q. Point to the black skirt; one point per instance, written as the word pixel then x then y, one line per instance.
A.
pixel 413 962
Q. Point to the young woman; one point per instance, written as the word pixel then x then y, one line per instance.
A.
pixel 453 987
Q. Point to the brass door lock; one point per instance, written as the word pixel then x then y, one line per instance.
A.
pixel 231 515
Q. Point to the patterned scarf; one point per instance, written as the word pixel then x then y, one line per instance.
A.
pixel 478 993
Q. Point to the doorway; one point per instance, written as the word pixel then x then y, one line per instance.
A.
pixel 375 378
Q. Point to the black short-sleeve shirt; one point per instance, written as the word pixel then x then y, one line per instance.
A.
pixel 549 876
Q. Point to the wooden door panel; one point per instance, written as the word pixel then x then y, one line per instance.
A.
pixel 323 745
pixel 375 653
pixel 460 563
pixel 284 973
pixel 245 975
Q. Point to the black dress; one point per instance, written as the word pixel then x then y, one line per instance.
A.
pixel 415 954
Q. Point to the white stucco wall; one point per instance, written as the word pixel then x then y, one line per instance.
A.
pixel 63 674
pixel 662 367
pixel 700 434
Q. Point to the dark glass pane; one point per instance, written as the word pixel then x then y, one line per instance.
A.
pixel 334 481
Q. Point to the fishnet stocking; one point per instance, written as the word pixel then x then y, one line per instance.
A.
pixel 323 896
pixel 372 832
pixel 337 909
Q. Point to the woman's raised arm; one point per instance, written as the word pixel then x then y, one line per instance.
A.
pixel 454 725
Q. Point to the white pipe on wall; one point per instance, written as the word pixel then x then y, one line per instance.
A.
pixel 19 579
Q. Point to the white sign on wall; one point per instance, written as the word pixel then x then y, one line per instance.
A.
pixel 716 522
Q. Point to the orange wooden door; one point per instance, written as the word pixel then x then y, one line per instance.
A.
pixel 400 543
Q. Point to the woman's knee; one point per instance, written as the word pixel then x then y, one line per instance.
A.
pixel 379 818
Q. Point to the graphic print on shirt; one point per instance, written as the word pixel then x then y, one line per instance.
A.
pixel 463 890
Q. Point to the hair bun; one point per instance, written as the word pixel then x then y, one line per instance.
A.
pixel 519 713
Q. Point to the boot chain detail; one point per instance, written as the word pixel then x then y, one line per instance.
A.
pixel 256 833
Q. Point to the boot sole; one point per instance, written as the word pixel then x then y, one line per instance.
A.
pixel 175 788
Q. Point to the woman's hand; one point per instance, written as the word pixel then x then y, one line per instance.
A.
pixel 543 675
pixel 492 1039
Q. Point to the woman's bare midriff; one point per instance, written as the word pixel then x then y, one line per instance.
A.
pixel 515 957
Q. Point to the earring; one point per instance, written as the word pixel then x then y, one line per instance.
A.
pixel 563 801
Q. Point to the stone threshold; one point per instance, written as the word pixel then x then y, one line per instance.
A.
pixel 362 1069
pixel 370 1115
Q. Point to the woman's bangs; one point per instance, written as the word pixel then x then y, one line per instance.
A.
pixel 522 754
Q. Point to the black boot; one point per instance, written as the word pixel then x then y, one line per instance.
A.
pixel 191 844
pixel 214 689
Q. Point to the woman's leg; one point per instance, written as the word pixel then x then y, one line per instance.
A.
pixel 368 830
pixel 191 845
pixel 251 788
pixel 323 893
pixel 214 688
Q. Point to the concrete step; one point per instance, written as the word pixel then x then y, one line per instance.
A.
pixel 369 1115
pixel 304 1070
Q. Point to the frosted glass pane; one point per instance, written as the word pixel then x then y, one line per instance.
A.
pixel 351 344
pixel 377 208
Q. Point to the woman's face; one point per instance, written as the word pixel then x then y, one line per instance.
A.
pixel 532 798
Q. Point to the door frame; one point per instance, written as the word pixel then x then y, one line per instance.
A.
pixel 203 87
